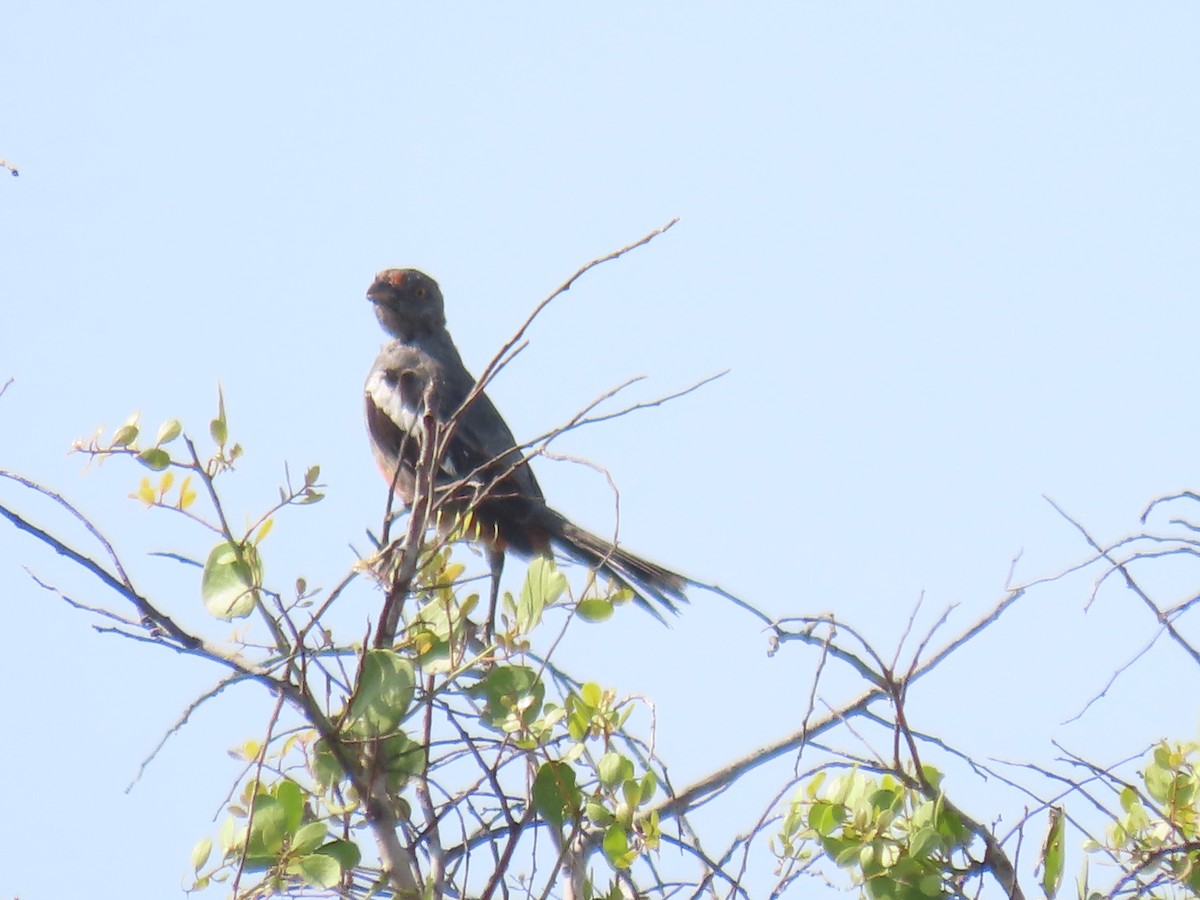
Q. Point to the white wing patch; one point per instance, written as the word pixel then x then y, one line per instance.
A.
pixel 391 403
pixel 389 399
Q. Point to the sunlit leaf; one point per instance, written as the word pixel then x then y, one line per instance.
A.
pixel 145 492
pixel 264 530
pixel 268 822
pixel 613 769
pixel 631 792
pixel 229 581
pixel 232 836
pixel 200 853
pixel 597 813
pixel 594 609
pixel 824 817
pixel 543 585
pixel 309 837
pixel 248 751
pixel 649 786
pixel 1053 851
pixel 126 434
pixel 651 830
pixel 186 495
pixel 291 796
pixel 218 427
pixel 169 430
pixel 616 847
pixel 591 694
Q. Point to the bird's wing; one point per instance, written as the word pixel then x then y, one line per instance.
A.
pixel 395 398
pixel 483 442
pixel 482 446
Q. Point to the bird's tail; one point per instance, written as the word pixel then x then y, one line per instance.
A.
pixel 648 581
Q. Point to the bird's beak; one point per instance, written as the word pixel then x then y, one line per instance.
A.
pixel 388 278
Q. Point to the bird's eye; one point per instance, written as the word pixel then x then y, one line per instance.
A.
pixel 420 292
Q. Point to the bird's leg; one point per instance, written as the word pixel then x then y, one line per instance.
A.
pixel 495 558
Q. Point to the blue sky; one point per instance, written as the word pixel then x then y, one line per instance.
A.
pixel 947 250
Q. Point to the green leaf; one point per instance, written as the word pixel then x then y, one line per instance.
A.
pixel 383 693
pixel 263 531
pixel 594 609
pixel 326 769
pixel 591 694
pixel 1162 757
pixel 598 813
pixel 614 769
pixel 170 430
pixel 884 887
pixel 631 791
pixel 229 581
pixel 651 830
pixel 259 862
pixel 125 435
pixel 1053 852
pixel 309 837
pixel 616 847
pixel 649 786
pixel 200 853
pixel 886 800
pixel 232 837
pixel 154 458
pixel 291 797
pixel 543 585
pixel 268 825
pixel 950 826
pixel 218 427
pixel 513 696
pixel 400 757
pixel 931 886
pixel 346 853
pixel 442 617
pixel 319 870
pixel 923 842
pixel 814 785
pixel 555 794
pixel 842 851
pixel 311 476
pixel 932 775
pixel 1159 782
pixel 1129 799
pixel 824 817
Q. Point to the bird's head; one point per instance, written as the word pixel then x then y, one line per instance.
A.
pixel 407 302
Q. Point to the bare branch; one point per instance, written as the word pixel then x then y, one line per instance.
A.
pixel 1161 617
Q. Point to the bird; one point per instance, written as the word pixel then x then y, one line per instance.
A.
pixel 420 372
